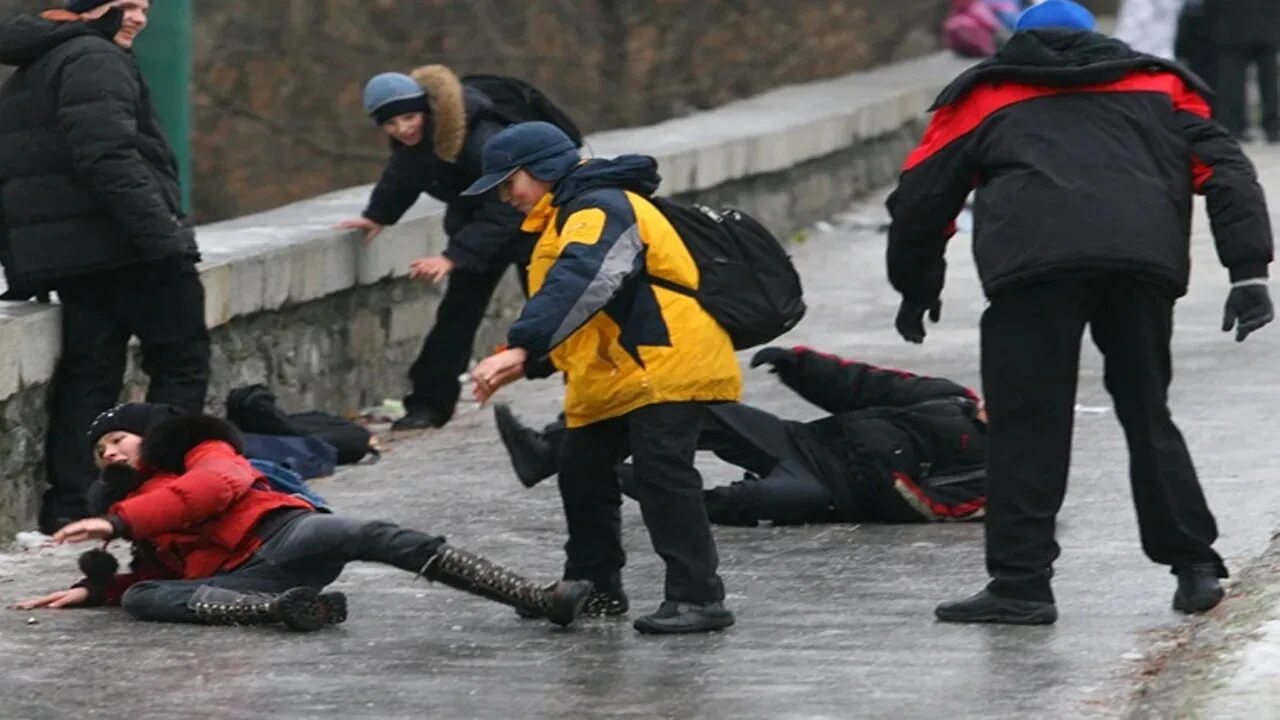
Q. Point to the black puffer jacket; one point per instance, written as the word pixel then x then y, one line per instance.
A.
pixel 897 447
pixel 1085 155
pixel 87 181
pixel 1243 22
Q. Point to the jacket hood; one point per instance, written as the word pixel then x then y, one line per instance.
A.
pixel 1062 58
pixel 637 173
pixel 166 445
pixel 26 38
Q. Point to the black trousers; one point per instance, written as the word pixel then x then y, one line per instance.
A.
pixel 779 486
pixel 160 303
pixel 662 440
pixel 1232 66
pixel 309 551
pixel 446 351
pixel 1030 364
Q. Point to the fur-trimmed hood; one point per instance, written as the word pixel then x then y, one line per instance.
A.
pixel 447 99
pixel 166 445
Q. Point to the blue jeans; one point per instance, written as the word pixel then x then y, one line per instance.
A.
pixel 309 551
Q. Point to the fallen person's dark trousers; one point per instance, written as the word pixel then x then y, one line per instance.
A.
pixel 309 551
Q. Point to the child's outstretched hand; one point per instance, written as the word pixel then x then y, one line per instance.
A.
pixel 85 530
pixel 60 599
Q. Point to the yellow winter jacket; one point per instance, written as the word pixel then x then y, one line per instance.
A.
pixel 621 342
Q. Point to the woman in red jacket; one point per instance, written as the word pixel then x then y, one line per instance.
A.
pixel 213 544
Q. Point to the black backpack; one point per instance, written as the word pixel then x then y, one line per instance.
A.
pixel 748 283
pixel 517 101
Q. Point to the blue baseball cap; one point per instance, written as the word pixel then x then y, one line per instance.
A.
pixel 541 148
pixel 1060 14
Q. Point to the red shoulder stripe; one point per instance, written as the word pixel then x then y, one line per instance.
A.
pixel 952 122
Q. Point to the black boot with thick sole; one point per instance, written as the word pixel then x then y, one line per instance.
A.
pixel 984 607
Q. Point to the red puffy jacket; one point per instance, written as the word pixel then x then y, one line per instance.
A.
pixel 200 520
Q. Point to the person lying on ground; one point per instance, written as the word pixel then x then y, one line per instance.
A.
pixel 213 545
pixel 896 447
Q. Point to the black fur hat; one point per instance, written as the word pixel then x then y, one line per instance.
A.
pixel 166 445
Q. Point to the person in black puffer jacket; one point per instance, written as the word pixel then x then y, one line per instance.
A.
pixel 437 127
pixel 90 207
pixel 1085 155
pixel 895 447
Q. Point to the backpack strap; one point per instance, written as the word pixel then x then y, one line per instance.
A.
pixel 672 286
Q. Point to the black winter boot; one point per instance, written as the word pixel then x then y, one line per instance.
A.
pixel 673 617
pixel 987 608
pixel 560 602
pixel 300 608
pixel 1198 588
pixel 532 457
pixel 421 420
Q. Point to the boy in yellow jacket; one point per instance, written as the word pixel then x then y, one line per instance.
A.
pixel 640 363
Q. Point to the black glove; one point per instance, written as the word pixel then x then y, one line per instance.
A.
pixel 778 358
pixel 910 321
pixel 1248 308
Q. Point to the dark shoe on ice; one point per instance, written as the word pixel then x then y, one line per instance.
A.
pixel 420 420
pixel 532 457
pixel 1198 588
pixel 613 603
pixel 987 608
pixel 674 617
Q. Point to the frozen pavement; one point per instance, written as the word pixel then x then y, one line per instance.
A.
pixel 833 621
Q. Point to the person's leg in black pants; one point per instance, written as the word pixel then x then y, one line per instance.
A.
pixel 446 351
pixel 1232 64
pixel 166 312
pixel 1030 366
pixel 1264 56
pixel 87 381
pixel 588 484
pixel 664 439
pixel 1133 330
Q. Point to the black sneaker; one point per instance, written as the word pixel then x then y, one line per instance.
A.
pixel 1198 588
pixel 532 457
pixel 674 617
pixel 987 608
pixel 613 603
pixel 420 420
pixel 305 610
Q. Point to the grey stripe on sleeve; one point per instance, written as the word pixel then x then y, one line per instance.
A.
pixel 617 265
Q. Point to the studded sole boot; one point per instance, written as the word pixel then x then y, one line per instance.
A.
pixel 301 608
pixel 559 602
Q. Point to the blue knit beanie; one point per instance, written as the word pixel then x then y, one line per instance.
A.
pixel 391 94
pixel 84 6
pixel 1059 14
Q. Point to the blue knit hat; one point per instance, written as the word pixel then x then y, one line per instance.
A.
pixel 1059 14
pixel 84 6
pixel 391 94
pixel 541 148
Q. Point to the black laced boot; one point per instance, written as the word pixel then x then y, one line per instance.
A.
pixel 300 608
pixel 559 602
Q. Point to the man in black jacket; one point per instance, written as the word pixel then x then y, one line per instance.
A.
pixel 437 127
pixel 1085 155
pixel 90 207
pixel 1244 33
pixel 895 447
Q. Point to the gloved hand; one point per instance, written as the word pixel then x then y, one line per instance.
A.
pixel 910 320
pixel 777 358
pixel 1248 308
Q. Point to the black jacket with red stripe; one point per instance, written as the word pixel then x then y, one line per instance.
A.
pixel 897 447
pixel 1085 155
